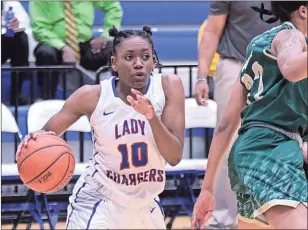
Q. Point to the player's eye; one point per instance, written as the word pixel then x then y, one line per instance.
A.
pixel 128 57
pixel 146 56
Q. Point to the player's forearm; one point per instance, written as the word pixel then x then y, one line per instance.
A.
pixel 219 147
pixel 53 125
pixel 296 69
pixel 207 49
pixel 168 145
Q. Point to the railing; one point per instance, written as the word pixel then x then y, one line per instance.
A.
pixel 94 80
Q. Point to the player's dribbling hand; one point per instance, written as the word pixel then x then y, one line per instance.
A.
pixel 142 105
pixel 202 210
pixel 202 92
pixel 34 135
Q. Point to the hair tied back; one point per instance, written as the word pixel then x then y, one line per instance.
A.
pixel 147 29
pixel 113 32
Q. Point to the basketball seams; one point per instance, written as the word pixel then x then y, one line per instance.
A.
pixel 54 137
pixel 68 166
pixel 39 150
pixel 50 175
pixel 48 167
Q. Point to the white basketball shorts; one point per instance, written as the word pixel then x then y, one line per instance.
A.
pixel 88 210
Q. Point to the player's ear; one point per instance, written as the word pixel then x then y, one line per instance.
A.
pixel 303 12
pixel 113 63
pixel 155 60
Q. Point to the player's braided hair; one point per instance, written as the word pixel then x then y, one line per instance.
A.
pixel 282 10
pixel 120 36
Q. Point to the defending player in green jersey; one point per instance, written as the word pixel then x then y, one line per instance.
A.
pixel 271 98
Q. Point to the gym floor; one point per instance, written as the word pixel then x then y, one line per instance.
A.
pixel 182 222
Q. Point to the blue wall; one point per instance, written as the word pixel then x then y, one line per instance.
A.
pixel 158 13
pixel 175 25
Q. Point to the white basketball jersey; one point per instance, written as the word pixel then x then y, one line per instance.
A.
pixel 126 166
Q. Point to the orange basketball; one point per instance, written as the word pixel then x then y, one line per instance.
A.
pixel 47 164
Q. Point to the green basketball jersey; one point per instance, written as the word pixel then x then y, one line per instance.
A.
pixel 272 99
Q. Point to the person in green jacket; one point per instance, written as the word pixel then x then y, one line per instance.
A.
pixel 64 32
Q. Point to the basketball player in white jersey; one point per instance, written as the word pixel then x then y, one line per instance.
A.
pixel 137 121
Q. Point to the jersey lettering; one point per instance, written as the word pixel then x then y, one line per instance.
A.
pixel 131 126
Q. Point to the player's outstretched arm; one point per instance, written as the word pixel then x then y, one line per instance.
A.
pixel 221 141
pixel 291 51
pixel 82 102
pixel 170 130
pixel 225 131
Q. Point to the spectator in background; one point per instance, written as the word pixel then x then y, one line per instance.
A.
pixel 214 62
pixel 231 26
pixel 64 32
pixel 16 48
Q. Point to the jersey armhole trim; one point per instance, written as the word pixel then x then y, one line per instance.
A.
pixel 268 54
pixel 98 103
pixel 162 89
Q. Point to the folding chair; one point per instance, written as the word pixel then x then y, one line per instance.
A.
pixel 39 113
pixel 195 117
pixel 9 125
pixel 10 176
pixel 199 117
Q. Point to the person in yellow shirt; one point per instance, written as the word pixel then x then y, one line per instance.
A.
pixel 213 64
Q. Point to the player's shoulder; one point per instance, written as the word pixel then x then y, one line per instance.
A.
pixel 171 81
pixel 89 90
pixel 88 94
pixel 265 39
pixel 289 35
pixel 172 85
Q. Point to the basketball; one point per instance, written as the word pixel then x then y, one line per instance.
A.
pixel 47 164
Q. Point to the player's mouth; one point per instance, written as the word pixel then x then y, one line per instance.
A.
pixel 140 75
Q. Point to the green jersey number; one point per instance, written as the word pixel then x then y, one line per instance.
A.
pixel 248 81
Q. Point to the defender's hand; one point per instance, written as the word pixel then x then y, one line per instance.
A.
pixel 203 209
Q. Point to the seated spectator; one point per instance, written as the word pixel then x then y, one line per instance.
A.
pixel 16 48
pixel 64 32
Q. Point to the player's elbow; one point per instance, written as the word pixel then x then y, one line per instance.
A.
pixel 176 156
pixel 175 160
pixel 293 71
pixel 288 72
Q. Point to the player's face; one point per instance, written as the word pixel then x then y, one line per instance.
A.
pixel 133 62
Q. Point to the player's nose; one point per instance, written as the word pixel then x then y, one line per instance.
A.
pixel 138 64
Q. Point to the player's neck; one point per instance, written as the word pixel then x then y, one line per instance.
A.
pixel 125 90
pixel 301 26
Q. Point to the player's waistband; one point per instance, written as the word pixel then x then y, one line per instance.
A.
pixel 293 136
pixel 102 190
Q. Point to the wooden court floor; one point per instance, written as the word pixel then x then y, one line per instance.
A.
pixel 182 222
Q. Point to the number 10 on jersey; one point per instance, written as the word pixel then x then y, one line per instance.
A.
pixel 138 155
